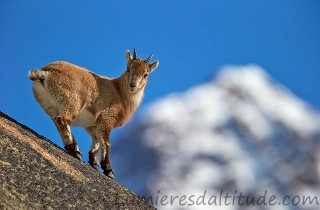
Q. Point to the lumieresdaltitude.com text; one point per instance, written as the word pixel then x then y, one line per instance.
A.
pixel 223 198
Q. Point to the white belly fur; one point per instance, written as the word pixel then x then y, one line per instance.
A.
pixel 84 119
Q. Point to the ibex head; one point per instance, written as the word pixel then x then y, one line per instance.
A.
pixel 138 71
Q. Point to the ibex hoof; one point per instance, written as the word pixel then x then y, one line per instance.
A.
pixel 71 149
pixel 109 173
pixel 77 155
pixel 107 169
pixel 95 166
pixel 93 161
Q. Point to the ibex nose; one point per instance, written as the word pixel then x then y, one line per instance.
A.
pixel 132 84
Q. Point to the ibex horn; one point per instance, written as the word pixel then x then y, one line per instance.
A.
pixel 149 59
pixel 134 54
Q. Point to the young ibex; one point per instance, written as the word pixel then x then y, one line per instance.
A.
pixel 72 95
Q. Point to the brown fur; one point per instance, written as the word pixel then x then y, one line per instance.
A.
pixel 72 95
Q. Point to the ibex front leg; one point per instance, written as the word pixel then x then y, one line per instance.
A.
pixel 93 153
pixel 69 141
pixel 104 138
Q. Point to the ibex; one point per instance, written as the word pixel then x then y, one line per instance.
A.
pixel 72 95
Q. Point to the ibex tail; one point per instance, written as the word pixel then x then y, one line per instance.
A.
pixel 37 74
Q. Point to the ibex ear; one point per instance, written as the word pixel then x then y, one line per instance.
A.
pixel 153 66
pixel 128 56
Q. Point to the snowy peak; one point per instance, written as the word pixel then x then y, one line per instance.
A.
pixel 271 98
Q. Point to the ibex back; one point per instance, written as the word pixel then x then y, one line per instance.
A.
pixel 72 95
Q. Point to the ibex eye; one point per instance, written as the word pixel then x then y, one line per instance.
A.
pixel 145 75
pixel 128 70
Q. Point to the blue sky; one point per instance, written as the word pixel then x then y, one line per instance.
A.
pixel 192 39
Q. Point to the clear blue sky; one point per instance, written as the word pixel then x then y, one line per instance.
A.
pixel 192 39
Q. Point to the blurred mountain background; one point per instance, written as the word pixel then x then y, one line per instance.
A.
pixel 240 131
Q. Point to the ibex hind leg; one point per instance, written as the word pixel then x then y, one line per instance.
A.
pixel 70 144
pixel 50 106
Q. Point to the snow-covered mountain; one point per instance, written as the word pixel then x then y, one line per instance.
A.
pixel 241 134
